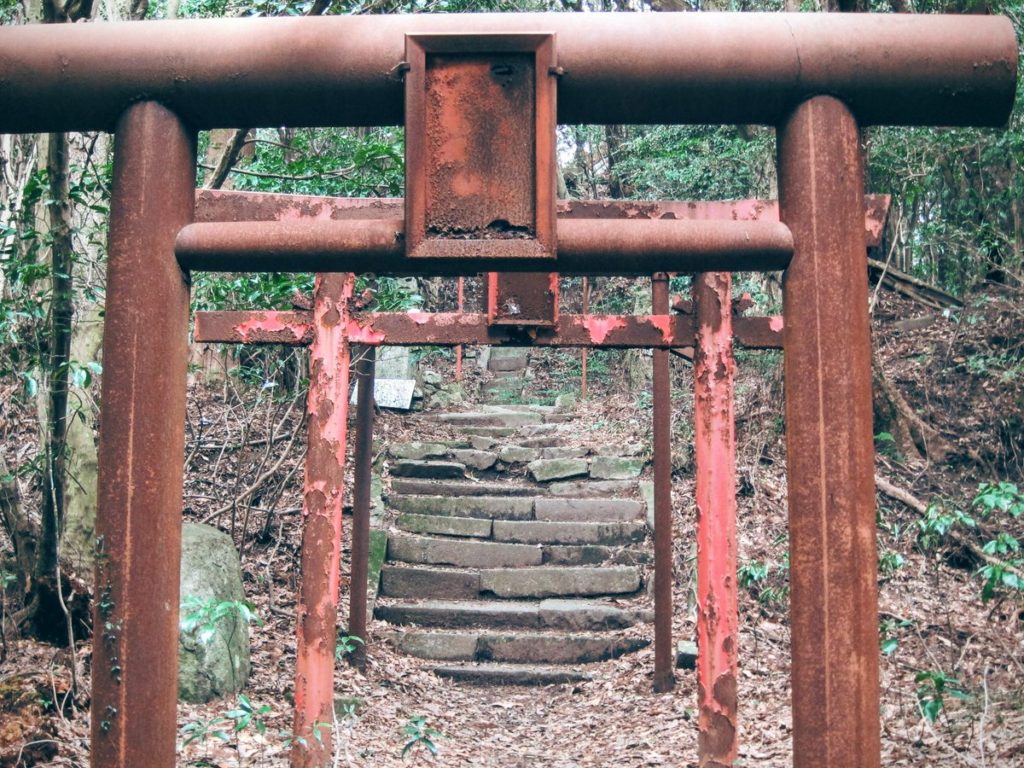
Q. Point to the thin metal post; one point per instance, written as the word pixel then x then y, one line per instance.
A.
pixel 142 444
pixel 584 353
pixel 458 349
pixel 365 370
pixel 327 410
pixel 715 454
pixel 830 455
pixel 664 679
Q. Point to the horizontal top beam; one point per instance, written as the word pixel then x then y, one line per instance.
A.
pixel 912 69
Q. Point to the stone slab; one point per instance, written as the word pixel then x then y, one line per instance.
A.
pixel 563 452
pixel 545 532
pixel 476 459
pixel 517 454
pixel 434 470
pixel 495 507
pixel 429 582
pixel 496 614
pixel 463 554
pixel 616 467
pixel 418 451
pixel 421 486
pixel 577 554
pixel 389 393
pixel 594 509
pixel 440 646
pixel 445 525
pixel 529 648
pixel 686 655
pixel 587 615
pixel 546 470
pixel 511 674
pixel 481 443
pixel 591 488
pixel 504 419
pixel 559 581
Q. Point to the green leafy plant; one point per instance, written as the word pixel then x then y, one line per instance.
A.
pixel 932 689
pixel 245 715
pixel 999 497
pixel 887 634
pixel 204 616
pixel 346 646
pixel 421 736
pixel 890 562
pixel 1004 573
pixel 885 444
pixel 939 519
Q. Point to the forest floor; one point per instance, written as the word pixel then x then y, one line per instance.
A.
pixel 962 372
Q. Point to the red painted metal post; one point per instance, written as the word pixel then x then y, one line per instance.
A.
pixel 327 411
pixel 584 353
pixel 362 474
pixel 830 461
pixel 664 679
pixel 458 349
pixel 715 454
pixel 142 444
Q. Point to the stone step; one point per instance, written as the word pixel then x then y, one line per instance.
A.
pixel 434 470
pixel 481 419
pixel 445 525
pixel 412 582
pixel 594 554
pixel 560 581
pixel 616 467
pixel 422 487
pixel 511 674
pixel 463 554
pixel 418 451
pixel 546 532
pixel 546 470
pixel 543 409
pixel 490 507
pixel 489 431
pixel 471 457
pixel 592 488
pixel 518 454
pixel 519 648
pixel 593 509
pixel 573 615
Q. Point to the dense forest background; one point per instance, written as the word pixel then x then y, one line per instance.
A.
pixel 952 249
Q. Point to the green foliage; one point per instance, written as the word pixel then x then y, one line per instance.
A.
pixel 245 715
pixel 1001 496
pixel 346 646
pixel 885 444
pixel 767 581
pixel 887 634
pixel 890 562
pixel 204 615
pixel 421 736
pixel 932 688
pixel 939 519
pixel 1003 573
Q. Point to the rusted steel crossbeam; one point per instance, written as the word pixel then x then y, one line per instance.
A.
pixel 448 329
pixel 723 68
pixel 621 247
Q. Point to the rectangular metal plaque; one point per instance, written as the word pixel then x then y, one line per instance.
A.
pixel 522 298
pixel 480 146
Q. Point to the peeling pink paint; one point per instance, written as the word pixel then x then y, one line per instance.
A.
pixel 269 322
pixel 664 324
pixel 715 453
pixel 776 323
pixel 363 334
pixel 420 318
pixel 599 326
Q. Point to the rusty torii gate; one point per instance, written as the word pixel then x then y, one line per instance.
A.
pixel 480 111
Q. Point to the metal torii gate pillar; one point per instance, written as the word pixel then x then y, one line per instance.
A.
pixel 155 83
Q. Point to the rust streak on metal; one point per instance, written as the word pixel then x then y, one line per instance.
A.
pixel 362 475
pixel 630 247
pixel 141 446
pixel 460 298
pixel 715 495
pixel 723 68
pixel 664 655
pixel 327 412
pixel 829 447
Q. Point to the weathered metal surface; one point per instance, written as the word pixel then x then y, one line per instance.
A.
pixel 522 298
pixel 664 652
pixel 142 444
pixel 594 246
pixel 317 610
pixel 361 477
pixel 830 461
pixel 584 354
pixel 480 146
pixel 447 329
pixel 727 68
pixel 226 205
pixel 715 495
pixel 461 299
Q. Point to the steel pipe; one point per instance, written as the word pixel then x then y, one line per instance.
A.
pixel 597 246
pixel 912 69
pixel 714 442
pixel 664 655
pixel 362 476
pixel 142 445
pixel 829 445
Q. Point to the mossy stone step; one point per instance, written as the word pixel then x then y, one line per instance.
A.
pixel 511 674
pixel 412 582
pixel 592 509
pixel 546 532
pixel 560 581
pixel 445 525
pixel 428 550
pixel 518 648
pixel 422 487
pixel 492 507
pixel 434 470
pixel 553 614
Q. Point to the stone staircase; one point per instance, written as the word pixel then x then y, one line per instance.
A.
pixel 515 556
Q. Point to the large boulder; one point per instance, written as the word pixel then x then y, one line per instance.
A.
pixel 213 642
